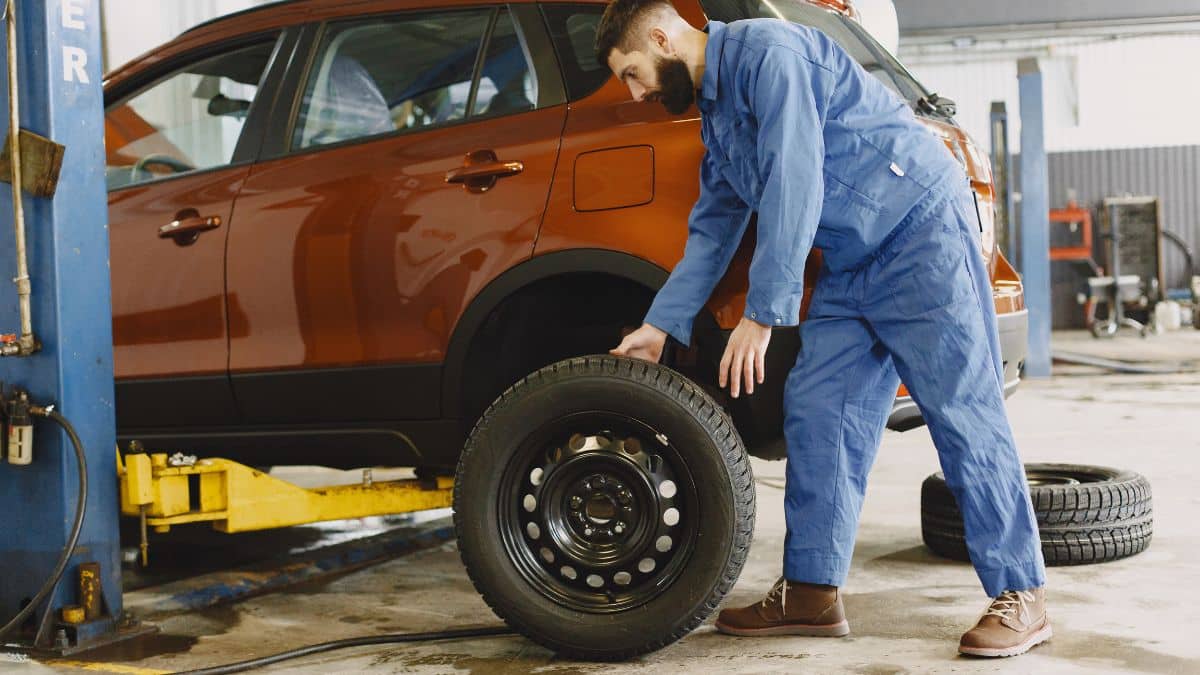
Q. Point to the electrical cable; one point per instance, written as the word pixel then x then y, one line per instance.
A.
pixel 76 528
pixel 242 666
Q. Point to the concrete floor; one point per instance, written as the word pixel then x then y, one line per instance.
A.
pixel 906 607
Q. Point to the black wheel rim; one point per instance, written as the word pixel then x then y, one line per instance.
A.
pixel 598 511
pixel 1045 477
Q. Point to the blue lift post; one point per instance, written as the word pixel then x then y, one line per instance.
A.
pixel 1002 164
pixel 60 97
pixel 1035 218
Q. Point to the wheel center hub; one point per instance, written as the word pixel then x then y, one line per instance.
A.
pixel 601 508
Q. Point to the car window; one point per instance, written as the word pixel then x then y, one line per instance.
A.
pixel 573 32
pixel 189 120
pixel 506 83
pixel 415 71
pixel 856 41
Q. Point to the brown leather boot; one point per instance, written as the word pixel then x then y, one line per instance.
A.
pixel 789 609
pixel 1012 624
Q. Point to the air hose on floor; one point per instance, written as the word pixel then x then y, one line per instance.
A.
pixel 49 413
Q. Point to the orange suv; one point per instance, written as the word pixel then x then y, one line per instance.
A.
pixel 340 230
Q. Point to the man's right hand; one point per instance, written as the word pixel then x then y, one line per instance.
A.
pixel 645 343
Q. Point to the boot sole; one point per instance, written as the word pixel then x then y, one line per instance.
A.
pixel 829 630
pixel 1034 640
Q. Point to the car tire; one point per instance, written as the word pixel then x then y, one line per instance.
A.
pixel 1085 514
pixel 578 508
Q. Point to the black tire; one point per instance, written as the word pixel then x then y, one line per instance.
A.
pixel 535 457
pixel 1085 514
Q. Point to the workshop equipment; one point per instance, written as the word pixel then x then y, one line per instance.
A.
pixel 1071 263
pixel 164 491
pixel 1134 263
pixel 67 307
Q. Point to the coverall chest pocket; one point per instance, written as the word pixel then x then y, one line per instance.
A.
pixel 940 278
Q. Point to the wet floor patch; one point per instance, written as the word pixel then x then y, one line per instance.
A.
pixel 141 648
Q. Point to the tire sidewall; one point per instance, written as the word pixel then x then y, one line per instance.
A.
pixel 496 442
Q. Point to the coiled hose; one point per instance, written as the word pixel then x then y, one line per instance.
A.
pixel 73 540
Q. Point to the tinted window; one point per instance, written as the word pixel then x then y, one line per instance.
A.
pixel 856 41
pixel 386 74
pixel 187 121
pixel 573 31
pixel 506 84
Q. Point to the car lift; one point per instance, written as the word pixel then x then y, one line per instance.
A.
pixel 58 523
pixel 165 491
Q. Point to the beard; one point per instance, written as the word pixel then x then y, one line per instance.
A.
pixel 676 91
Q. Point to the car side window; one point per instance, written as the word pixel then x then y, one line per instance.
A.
pixel 573 32
pixel 412 72
pixel 187 121
pixel 506 84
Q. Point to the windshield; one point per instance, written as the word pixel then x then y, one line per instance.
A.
pixel 851 36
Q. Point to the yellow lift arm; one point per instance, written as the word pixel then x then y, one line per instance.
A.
pixel 237 498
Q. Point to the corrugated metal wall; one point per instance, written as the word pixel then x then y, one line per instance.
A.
pixel 1170 173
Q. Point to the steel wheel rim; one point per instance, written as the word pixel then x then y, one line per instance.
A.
pixel 598 511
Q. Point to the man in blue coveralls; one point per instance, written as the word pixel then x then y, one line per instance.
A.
pixel 795 130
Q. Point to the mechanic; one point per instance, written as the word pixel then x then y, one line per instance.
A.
pixel 797 131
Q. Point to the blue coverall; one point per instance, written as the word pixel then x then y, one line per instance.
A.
pixel 795 130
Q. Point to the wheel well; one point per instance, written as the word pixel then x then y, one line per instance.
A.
pixel 554 318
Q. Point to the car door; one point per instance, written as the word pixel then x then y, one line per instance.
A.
pixel 177 146
pixel 415 167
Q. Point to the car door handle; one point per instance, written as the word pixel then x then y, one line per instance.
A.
pixel 186 230
pixel 482 170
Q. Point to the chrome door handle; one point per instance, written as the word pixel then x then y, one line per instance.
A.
pixel 482 170
pixel 186 230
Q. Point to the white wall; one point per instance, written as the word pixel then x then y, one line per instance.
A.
pixel 1100 92
pixel 132 27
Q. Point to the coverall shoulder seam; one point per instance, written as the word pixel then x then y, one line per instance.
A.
pixel 765 48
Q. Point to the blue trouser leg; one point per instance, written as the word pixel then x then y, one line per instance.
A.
pixel 929 300
pixel 837 401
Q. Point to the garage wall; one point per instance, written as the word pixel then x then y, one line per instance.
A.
pixel 132 27
pixel 1101 92
pixel 933 15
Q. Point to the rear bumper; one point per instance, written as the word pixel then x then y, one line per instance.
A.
pixel 1014 345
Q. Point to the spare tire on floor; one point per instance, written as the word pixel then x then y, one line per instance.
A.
pixel 1085 514
pixel 604 507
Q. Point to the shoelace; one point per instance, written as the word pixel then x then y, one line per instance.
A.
pixel 1008 604
pixel 778 591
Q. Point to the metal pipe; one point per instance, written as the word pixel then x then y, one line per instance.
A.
pixel 26 344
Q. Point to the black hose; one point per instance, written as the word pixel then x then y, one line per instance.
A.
pixel 76 528
pixel 1188 256
pixel 242 666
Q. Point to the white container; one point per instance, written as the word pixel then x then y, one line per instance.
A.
pixel 1168 315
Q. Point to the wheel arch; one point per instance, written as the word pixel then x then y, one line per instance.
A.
pixel 542 268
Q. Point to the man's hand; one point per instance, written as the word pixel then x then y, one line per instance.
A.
pixel 645 343
pixel 745 355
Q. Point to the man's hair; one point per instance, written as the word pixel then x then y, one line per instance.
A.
pixel 620 26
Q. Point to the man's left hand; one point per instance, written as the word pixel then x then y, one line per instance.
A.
pixel 745 356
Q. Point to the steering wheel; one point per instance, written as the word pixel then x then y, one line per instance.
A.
pixel 168 161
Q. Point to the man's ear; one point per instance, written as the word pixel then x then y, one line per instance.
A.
pixel 659 39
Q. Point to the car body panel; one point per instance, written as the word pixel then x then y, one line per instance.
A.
pixel 373 256
pixel 357 278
